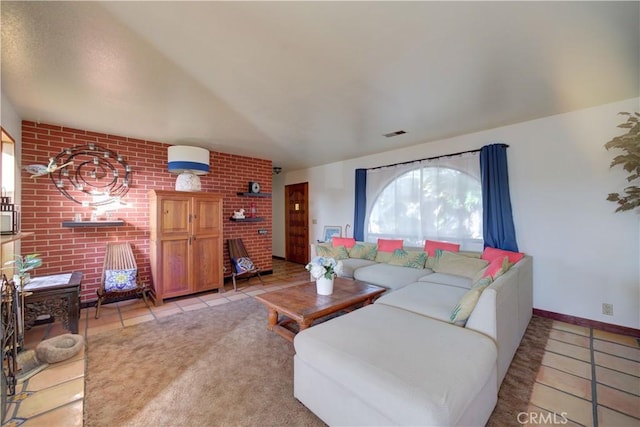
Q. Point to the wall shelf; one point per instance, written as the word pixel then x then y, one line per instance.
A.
pixel 102 223
pixel 247 219
pixel 247 194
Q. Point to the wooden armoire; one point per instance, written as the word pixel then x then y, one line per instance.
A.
pixel 186 243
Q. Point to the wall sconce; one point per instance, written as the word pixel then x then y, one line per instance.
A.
pixel 277 170
pixel 188 162
pixel 90 170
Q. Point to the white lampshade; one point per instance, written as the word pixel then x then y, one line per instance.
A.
pixel 189 162
pixel 182 158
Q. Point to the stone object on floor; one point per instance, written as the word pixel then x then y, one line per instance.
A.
pixel 59 348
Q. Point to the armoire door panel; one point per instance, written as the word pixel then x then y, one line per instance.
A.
pixel 174 216
pixel 208 259
pixel 175 270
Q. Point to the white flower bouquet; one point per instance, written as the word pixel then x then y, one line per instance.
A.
pixel 324 267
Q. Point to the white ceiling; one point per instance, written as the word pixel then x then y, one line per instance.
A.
pixel 308 83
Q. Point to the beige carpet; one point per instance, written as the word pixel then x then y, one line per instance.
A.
pixel 220 366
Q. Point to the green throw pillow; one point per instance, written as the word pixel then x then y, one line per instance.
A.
pixel 364 251
pixel 338 252
pixel 467 303
pixel 460 265
pixel 413 259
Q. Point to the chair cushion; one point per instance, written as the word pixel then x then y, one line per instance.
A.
pixel 120 280
pixel 243 265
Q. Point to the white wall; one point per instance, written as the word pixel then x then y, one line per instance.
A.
pixel 584 253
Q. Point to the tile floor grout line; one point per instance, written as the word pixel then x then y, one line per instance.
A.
pixel 619 412
pixel 566 355
pixel 594 382
pixel 569 343
pixel 617 355
pixel 614 369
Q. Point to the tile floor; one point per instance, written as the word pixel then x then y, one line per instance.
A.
pixel 588 377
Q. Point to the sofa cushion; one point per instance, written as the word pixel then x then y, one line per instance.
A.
pixel 490 254
pixel 431 246
pixel 452 263
pixel 389 276
pixel 347 242
pixel 412 259
pixel 447 279
pixel 336 252
pixel 413 369
pixel 389 245
pixel 349 265
pixel 497 267
pixel 386 248
pixel 428 299
pixel 467 303
pixel 363 251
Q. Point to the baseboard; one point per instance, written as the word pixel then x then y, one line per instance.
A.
pixel 278 257
pixel 608 327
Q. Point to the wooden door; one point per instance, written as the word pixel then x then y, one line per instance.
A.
pixel 297 222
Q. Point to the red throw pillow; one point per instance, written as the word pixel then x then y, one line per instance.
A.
pixel 490 254
pixel 387 245
pixel 430 247
pixel 347 242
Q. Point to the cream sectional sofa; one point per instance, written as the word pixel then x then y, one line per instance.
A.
pixel 400 361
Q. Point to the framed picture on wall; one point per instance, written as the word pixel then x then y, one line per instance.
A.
pixel 330 231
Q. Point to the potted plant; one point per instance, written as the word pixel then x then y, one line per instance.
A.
pixel 323 270
pixel 23 265
pixel 630 162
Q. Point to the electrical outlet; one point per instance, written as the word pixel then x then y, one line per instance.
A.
pixel 607 309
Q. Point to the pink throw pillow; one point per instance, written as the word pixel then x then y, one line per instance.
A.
pixel 430 247
pixel 387 245
pixel 347 242
pixel 494 267
pixel 490 254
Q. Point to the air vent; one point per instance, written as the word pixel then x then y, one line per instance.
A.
pixel 396 133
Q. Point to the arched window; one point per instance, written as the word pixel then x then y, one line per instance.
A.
pixel 430 200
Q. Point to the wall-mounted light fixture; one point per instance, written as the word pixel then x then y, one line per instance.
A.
pixel 277 170
pixel 188 162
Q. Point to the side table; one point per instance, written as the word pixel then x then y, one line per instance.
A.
pixel 57 295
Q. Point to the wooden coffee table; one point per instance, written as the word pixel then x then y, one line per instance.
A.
pixel 303 305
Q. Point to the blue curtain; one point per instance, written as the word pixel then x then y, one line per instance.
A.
pixel 360 206
pixel 499 231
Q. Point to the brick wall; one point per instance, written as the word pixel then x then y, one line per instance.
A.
pixel 65 249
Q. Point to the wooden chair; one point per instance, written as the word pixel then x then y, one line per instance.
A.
pixel 241 263
pixel 119 275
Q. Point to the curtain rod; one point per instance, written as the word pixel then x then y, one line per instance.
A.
pixel 429 158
